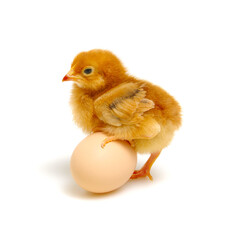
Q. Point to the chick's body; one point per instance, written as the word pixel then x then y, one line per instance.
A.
pixel 151 134
pixel 104 97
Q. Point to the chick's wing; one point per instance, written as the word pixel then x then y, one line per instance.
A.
pixel 124 104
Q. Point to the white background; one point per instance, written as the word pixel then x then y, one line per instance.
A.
pixel 191 49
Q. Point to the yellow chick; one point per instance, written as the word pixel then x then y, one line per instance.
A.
pixel 106 98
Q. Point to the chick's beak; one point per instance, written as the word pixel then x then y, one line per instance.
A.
pixel 66 78
pixel 70 76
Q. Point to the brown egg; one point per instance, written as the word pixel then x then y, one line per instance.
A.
pixel 100 170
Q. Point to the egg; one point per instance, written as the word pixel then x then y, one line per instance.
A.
pixel 101 170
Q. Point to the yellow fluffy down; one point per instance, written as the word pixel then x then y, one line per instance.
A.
pixel 120 105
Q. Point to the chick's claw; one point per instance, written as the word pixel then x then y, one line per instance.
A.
pixel 110 139
pixel 142 173
pixel 107 140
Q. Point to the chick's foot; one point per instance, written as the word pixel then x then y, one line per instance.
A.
pixel 143 172
pixel 110 139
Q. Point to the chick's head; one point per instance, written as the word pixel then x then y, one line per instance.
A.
pixel 95 70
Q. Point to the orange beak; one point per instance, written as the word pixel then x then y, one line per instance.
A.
pixel 66 78
pixel 70 76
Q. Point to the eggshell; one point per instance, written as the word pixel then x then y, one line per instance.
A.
pixel 100 170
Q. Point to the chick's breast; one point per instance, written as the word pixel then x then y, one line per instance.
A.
pixel 83 110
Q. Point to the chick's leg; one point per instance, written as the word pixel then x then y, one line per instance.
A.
pixel 145 170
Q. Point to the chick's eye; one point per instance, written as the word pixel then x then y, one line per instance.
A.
pixel 88 71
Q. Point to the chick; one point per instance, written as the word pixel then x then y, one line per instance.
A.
pixel 106 98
